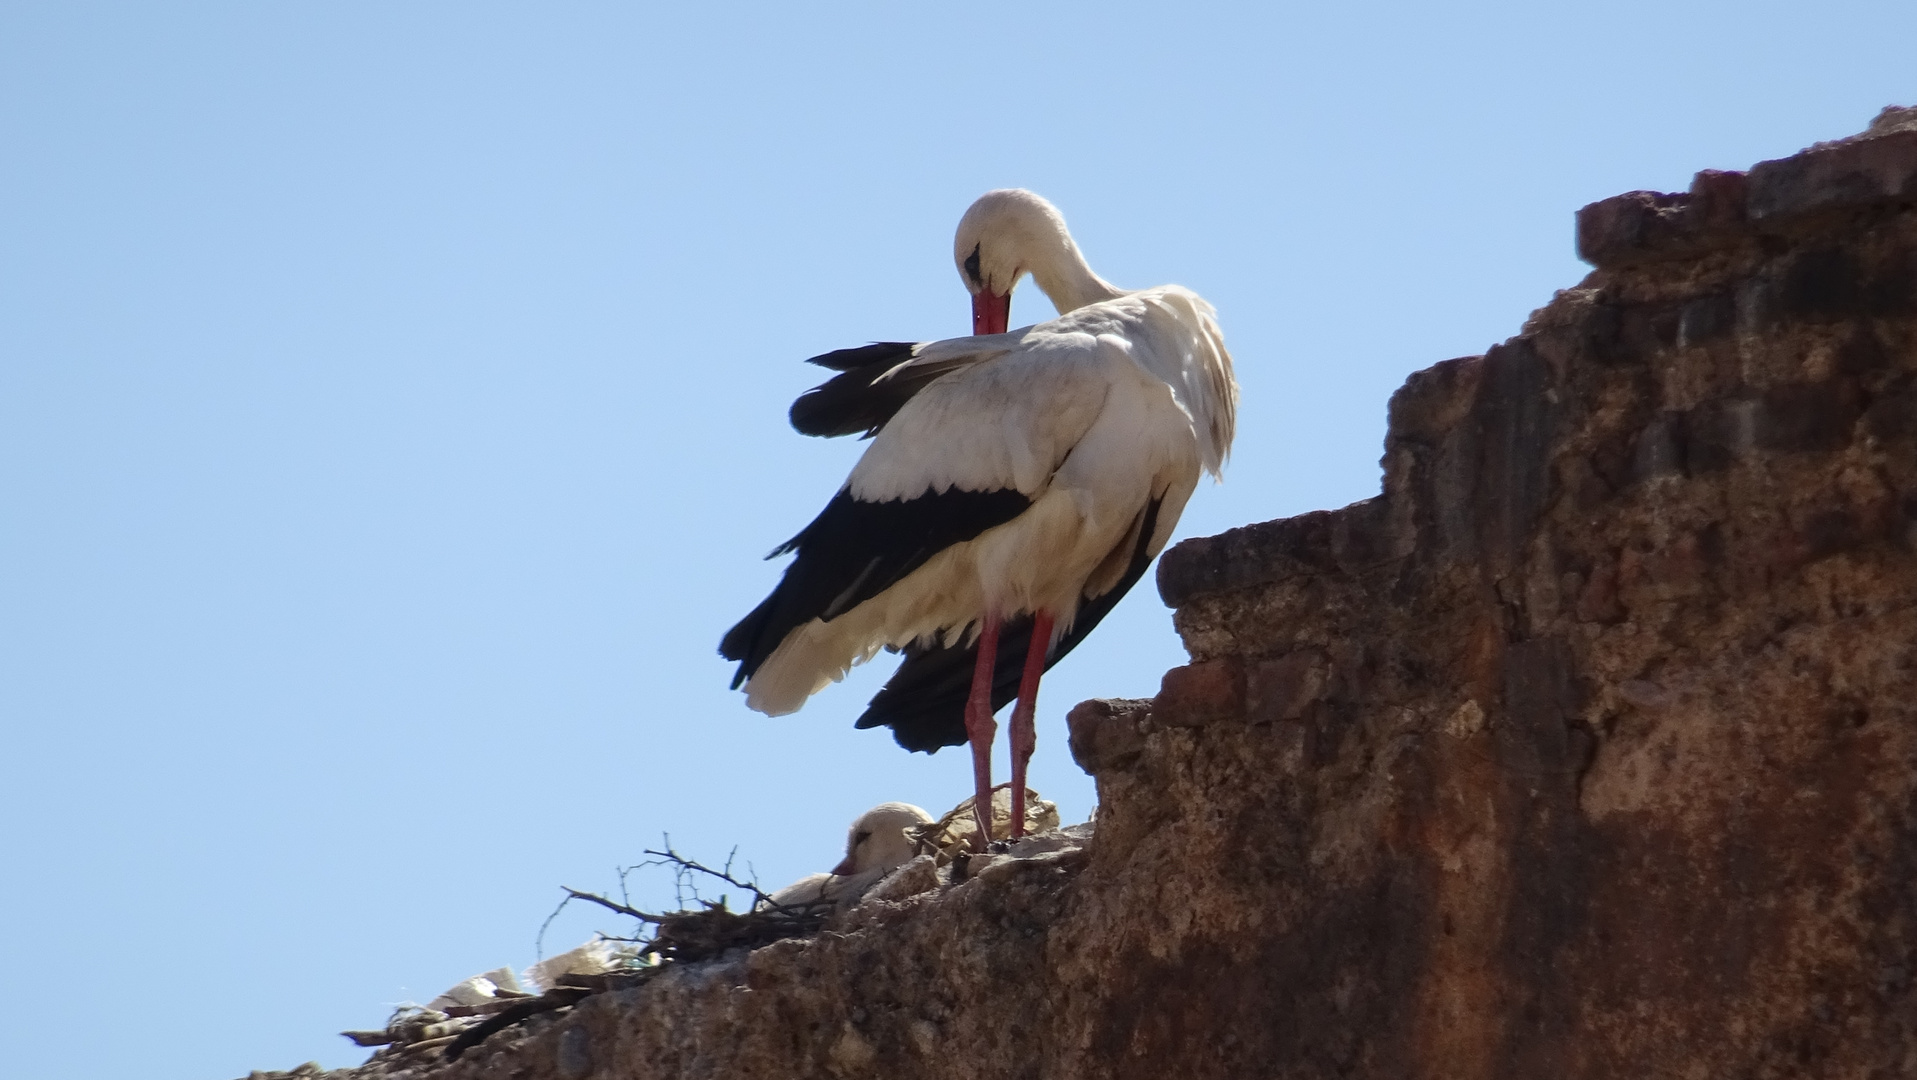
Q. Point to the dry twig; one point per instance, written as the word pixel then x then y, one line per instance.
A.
pixel 697 933
pixel 558 997
pixel 613 905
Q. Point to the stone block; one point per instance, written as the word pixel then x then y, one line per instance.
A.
pixel 1201 693
pixel 1240 558
pixel 1847 174
pixel 1716 434
pixel 1284 687
pixel 1366 534
pixel 1641 226
pixel 1705 318
pixel 1808 416
pixel 1431 402
pixel 1108 733
pixel 1719 199
pixel 1659 450
pixel 1820 285
pixel 1517 412
pixel 1616 230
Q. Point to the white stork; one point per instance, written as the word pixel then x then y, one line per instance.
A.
pixel 879 842
pixel 1016 486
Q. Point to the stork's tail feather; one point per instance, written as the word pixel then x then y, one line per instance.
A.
pixel 742 640
pixel 924 700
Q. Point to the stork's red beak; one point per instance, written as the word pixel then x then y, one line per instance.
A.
pixel 990 312
pixel 845 867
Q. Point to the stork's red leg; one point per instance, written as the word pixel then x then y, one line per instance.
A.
pixel 980 727
pixel 1024 734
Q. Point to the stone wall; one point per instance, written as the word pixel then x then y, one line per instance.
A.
pixel 1587 749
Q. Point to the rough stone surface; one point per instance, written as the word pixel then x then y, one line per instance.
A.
pixel 1587 749
pixel 1872 171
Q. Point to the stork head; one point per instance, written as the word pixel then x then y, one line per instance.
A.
pixel 1007 234
pixel 878 840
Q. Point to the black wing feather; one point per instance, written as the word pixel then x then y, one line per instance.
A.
pixel 855 550
pixel 924 700
pixel 871 390
pixel 886 352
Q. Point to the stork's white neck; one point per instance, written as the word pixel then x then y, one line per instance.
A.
pixel 1068 279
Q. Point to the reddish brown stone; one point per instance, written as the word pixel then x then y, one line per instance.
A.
pixel 1200 693
pixel 1639 226
pixel 1719 199
pixel 1598 601
pixel 1281 689
pixel 1848 174
pixel 1107 733
pixel 1637 223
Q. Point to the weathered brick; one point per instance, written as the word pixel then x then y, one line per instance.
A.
pixel 1720 199
pixel 1200 693
pixel 1808 416
pixel 1646 225
pixel 1705 318
pixel 1282 688
pixel 1259 554
pixel 1660 448
pixel 1819 284
pixel 1718 433
pixel 1847 174
pixel 1107 733
pixel 1831 283
pixel 1595 336
pixel 1432 401
pixel 1541 694
pixel 1517 411
pixel 1364 535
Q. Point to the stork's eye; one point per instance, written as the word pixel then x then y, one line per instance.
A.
pixel 860 838
pixel 971 267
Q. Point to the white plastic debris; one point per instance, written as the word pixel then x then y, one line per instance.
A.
pixel 595 957
pixel 477 990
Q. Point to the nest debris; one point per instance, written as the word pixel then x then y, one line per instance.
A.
pixel 701 930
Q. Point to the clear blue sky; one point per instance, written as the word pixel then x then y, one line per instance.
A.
pixel 392 412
